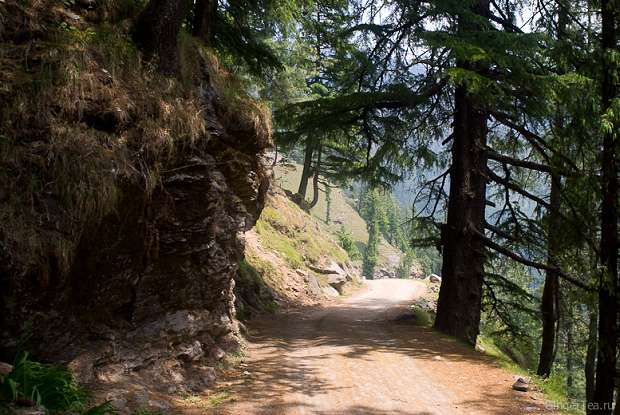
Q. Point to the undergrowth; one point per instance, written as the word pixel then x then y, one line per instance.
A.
pixel 49 386
pixel 421 317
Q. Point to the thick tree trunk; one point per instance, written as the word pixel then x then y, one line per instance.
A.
pixel 203 24
pixel 458 308
pixel 307 169
pixel 590 364
pixel 550 304
pixel 157 29
pixel 608 301
pixel 315 179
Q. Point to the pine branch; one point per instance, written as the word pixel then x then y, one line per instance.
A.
pixel 534 139
pixel 506 283
pixel 513 186
pixel 493 155
pixel 501 233
pixel 512 255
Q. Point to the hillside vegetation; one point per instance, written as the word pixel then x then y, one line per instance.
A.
pixel 291 259
pixel 343 214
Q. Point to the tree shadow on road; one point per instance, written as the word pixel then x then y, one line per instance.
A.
pixel 289 350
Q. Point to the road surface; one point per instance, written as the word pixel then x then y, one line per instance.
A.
pixel 357 357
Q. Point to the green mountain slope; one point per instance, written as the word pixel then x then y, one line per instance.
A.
pixel 287 176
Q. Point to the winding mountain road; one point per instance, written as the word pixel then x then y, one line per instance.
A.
pixel 356 356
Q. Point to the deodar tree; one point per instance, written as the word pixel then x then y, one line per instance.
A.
pixel 608 284
pixel 503 110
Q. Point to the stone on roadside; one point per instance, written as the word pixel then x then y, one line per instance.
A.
pixel 330 291
pixel 208 375
pixel 521 385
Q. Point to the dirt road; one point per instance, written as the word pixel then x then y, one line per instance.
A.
pixel 357 357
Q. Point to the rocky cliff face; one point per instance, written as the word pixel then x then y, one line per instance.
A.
pixel 148 290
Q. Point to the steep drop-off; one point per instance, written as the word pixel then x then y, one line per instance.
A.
pixel 124 198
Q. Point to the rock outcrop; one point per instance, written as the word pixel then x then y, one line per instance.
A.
pixel 146 291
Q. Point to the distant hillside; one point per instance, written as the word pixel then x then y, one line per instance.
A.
pixel 342 213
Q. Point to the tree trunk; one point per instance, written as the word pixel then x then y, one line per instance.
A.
pixel 157 29
pixel 458 307
pixel 591 354
pixel 315 179
pixel 569 352
pixel 617 407
pixel 307 169
pixel 608 302
pixel 203 25
pixel 550 304
pixel 328 204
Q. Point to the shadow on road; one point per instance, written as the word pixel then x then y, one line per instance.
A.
pixel 356 357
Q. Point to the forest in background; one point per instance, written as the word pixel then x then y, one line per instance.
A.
pixel 504 115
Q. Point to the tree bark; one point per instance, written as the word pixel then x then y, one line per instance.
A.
pixel 315 179
pixel 203 24
pixel 307 169
pixel 157 29
pixel 590 364
pixel 569 352
pixel 458 308
pixel 608 302
pixel 328 204
pixel 550 304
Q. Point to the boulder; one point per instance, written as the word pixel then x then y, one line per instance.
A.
pixel 521 385
pixel 426 305
pixel 208 376
pixel 336 280
pixel 434 278
pixel 330 291
pixel 313 284
pixel 331 267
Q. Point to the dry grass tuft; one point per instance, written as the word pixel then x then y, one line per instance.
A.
pixel 82 113
pixel 239 109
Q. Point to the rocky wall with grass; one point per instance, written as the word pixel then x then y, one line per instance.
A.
pixel 124 196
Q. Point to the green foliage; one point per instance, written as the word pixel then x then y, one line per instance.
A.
pixel 345 239
pixel 421 317
pixel 285 231
pixel 50 386
pixel 243 29
pixel 272 306
pixel 406 262
pixel 53 387
pixel 375 217
pixel 280 243
pixel 251 276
